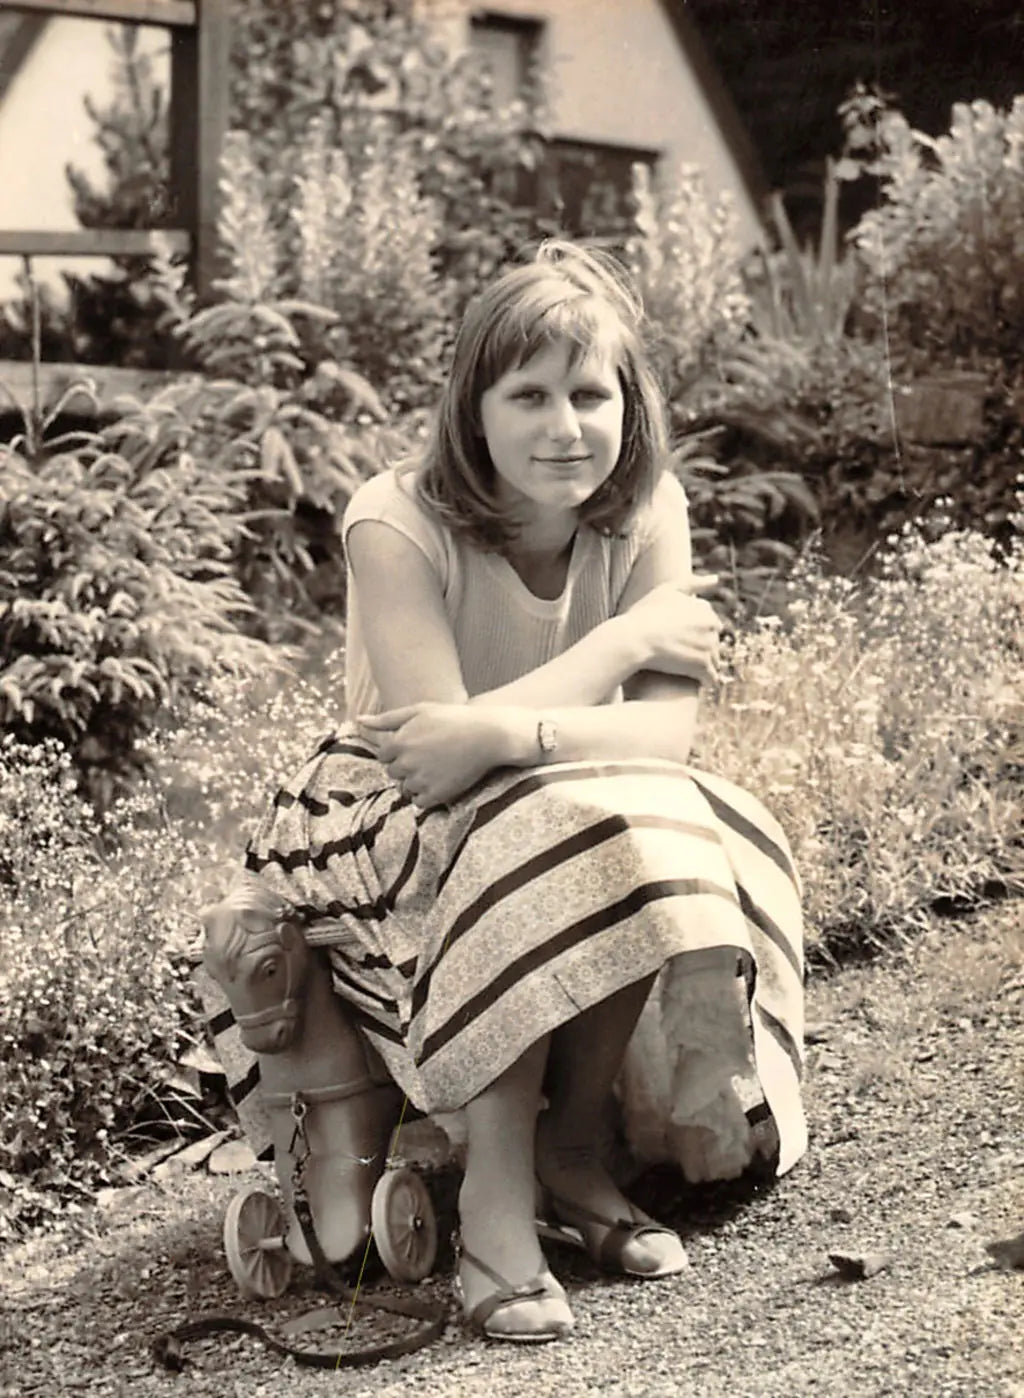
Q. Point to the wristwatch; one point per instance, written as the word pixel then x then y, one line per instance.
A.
pixel 547 735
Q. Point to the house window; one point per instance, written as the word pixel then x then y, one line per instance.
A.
pixel 587 186
pixel 509 48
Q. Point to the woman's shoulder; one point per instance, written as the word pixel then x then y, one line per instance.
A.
pixel 390 497
pixel 666 508
pixel 392 488
pixel 668 494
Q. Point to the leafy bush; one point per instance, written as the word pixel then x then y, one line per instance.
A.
pixel 384 83
pixel 361 240
pixel 747 516
pixel 276 412
pixel 94 998
pixel 944 249
pixel 116 594
pixel 883 724
pixel 100 913
pixel 428 204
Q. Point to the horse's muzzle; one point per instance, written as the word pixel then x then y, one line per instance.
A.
pixel 271 1030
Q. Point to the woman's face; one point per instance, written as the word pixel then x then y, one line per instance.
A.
pixel 553 430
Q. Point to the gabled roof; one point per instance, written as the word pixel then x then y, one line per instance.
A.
pixel 719 100
pixel 17 35
pixel 19 32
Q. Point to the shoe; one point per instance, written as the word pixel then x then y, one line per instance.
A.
pixel 606 1239
pixel 543 1287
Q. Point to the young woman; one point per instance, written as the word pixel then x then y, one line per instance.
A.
pixel 506 832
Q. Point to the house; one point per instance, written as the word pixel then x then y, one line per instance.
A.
pixel 627 80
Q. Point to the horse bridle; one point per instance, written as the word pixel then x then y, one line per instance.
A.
pixel 289 1006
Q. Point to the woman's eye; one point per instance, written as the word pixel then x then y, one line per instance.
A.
pixel 529 395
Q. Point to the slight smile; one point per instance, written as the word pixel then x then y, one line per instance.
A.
pixel 561 460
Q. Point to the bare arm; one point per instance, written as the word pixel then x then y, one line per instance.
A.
pixel 439 742
pixel 659 716
pixel 412 652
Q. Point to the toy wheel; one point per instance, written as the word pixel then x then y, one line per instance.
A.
pixel 254 1229
pixel 404 1225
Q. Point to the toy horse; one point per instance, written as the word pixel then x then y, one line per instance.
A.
pixel 279 990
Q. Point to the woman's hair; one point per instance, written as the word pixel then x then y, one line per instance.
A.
pixel 564 294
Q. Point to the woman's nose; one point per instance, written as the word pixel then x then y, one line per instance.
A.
pixel 563 424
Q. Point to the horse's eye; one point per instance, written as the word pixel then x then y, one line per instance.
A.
pixel 269 969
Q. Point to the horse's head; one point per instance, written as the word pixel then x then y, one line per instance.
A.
pixel 261 961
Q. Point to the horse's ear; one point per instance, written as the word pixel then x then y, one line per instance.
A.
pixel 218 920
pixel 210 917
pixel 220 940
pixel 292 937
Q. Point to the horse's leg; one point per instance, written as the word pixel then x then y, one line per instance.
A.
pixel 352 1110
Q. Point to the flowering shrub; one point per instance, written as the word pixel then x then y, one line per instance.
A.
pixel 280 420
pixel 93 986
pixel 220 764
pixel 884 726
pixel 685 259
pixel 944 248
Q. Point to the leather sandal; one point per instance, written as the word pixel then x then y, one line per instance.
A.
pixel 608 1248
pixel 543 1287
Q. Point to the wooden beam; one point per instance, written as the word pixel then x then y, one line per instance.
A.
pixel 17 380
pixel 91 242
pixel 200 92
pixel 174 13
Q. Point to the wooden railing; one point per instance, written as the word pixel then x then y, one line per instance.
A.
pixel 200 41
pixel 198 110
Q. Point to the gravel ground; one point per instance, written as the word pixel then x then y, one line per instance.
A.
pixel 915 1096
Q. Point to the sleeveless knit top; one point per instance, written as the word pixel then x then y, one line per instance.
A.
pixel 501 629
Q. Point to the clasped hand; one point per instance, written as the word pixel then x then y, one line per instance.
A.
pixel 434 751
pixel 679 631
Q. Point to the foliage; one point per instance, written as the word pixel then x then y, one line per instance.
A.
pixel 809 387
pixel 944 250
pixel 684 257
pixel 789 67
pixel 94 998
pixel 99 917
pixel 113 317
pixel 359 240
pixel 382 78
pixel 116 594
pixel 803 293
pixel 883 724
pixel 431 168
pixel 289 428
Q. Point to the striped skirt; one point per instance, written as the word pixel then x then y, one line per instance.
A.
pixel 460 936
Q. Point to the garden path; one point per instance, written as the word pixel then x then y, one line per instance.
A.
pixel 915 1097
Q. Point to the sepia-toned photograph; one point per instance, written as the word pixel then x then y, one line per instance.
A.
pixel 512 698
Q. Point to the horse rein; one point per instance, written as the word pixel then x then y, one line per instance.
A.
pixel 167 1349
pixel 286 1008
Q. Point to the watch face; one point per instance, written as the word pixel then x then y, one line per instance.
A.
pixel 547 735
